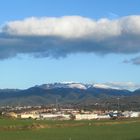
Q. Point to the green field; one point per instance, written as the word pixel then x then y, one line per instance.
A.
pixel 70 130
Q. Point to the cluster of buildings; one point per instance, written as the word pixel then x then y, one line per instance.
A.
pixel 44 113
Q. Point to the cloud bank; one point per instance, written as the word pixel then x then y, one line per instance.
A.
pixel 60 36
pixel 135 61
pixel 118 85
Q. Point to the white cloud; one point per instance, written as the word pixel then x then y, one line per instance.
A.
pixel 66 27
pixel 60 36
pixel 74 27
pixel 118 85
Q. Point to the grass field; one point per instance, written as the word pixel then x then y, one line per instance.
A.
pixel 70 130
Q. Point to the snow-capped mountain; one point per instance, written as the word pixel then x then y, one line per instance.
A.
pixel 75 85
pixel 67 92
pixel 64 85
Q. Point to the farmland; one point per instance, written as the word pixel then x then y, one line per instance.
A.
pixel 70 130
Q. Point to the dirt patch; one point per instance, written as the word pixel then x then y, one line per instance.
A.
pixel 25 127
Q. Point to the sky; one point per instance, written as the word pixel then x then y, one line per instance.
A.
pixel 87 41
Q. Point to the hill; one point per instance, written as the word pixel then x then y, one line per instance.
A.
pixel 74 94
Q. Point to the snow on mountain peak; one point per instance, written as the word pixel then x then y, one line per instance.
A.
pixel 64 85
pixel 101 86
pixel 77 85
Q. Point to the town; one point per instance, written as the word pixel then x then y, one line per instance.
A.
pixel 54 113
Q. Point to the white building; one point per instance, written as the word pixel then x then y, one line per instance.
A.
pixel 104 116
pixel 86 116
pixel 131 114
pixel 29 115
pixel 55 116
pixel 135 114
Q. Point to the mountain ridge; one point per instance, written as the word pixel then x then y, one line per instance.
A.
pixel 69 93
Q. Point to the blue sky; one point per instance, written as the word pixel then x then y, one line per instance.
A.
pixel 21 69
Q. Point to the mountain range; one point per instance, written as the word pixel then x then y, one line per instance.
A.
pixel 72 94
